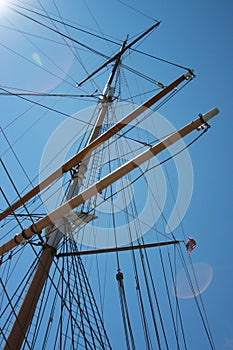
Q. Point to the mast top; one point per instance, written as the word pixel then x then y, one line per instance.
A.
pixel 120 53
pixel 109 90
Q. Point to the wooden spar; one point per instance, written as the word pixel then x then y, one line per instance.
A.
pixel 119 54
pixel 117 249
pixel 93 145
pixel 106 181
pixel 27 309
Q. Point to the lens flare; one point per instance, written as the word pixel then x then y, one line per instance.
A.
pixel 193 280
pixel 37 59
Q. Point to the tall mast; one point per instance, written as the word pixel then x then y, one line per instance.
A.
pixel 28 306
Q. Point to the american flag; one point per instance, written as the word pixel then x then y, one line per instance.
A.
pixel 190 245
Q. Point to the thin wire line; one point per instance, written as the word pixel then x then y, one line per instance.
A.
pixel 46 107
pixel 136 10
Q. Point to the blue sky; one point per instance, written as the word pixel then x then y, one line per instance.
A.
pixel 195 34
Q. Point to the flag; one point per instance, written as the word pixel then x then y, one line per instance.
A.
pixel 190 245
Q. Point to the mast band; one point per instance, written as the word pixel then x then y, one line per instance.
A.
pixel 24 235
pixel 16 241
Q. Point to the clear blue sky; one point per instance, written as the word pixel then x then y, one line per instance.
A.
pixel 196 34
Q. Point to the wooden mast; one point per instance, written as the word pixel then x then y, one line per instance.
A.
pixel 28 306
pixel 27 309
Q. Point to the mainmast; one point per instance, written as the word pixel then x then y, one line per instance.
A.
pixel 57 230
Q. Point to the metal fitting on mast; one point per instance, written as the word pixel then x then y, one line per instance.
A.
pixel 190 74
pixel 108 94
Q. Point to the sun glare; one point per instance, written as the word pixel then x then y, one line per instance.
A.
pixel 2 4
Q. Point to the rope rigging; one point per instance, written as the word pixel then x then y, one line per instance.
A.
pixel 145 264
pixel 66 24
pixel 137 10
pixel 35 64
pixel 60 33
pixel 72 277
pixel 67 313
pixel 44 106
pixel 125 313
